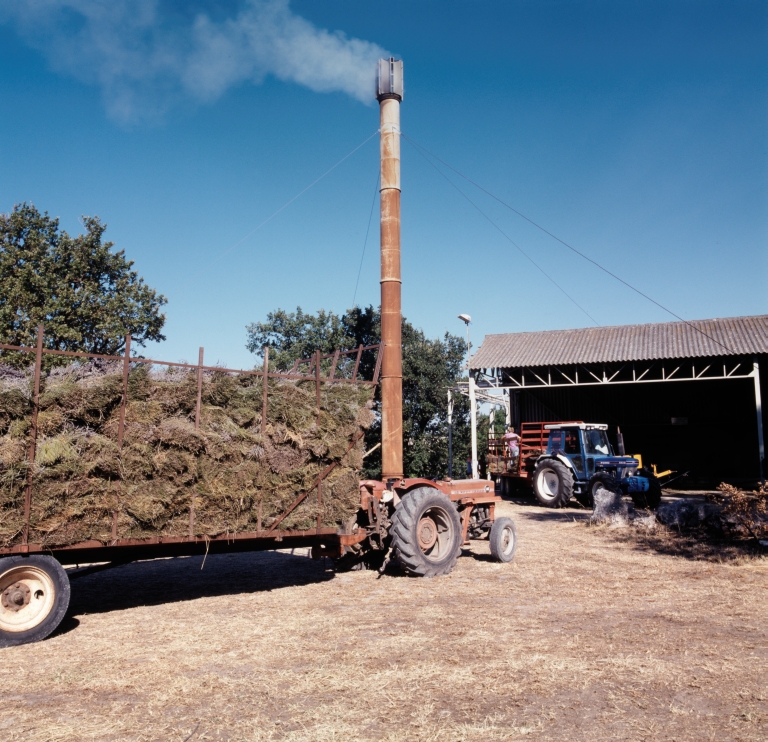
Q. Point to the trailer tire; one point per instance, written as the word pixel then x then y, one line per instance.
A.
pixel 650 499
pixel 552 483
pixel 503 539
pixel 34 598
pixel 426 533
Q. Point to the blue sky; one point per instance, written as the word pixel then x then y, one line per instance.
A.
pixel 635 131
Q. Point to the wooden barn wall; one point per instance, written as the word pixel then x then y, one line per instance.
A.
pixel 718 441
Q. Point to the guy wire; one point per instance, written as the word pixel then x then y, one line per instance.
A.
pixel 496 226
pixel 565 244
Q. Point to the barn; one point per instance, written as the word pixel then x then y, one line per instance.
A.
pixel 685 395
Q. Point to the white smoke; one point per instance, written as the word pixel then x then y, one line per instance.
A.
pixel 146 57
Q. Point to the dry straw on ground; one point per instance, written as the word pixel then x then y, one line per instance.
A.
pixel 579 638
pixel 234 468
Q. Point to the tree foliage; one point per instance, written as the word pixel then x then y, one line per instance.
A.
pixel 83 293
pixel 430 368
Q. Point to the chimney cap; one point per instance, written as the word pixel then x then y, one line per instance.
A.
pixel 389 79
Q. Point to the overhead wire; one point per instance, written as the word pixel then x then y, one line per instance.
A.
pixel 420 147
pixel 282 208
pixel 365 242
pixel 497 227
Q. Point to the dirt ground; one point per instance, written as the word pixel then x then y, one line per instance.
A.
pixel 586 635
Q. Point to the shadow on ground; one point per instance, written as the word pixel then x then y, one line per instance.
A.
pixel 181 578
pixel 693 546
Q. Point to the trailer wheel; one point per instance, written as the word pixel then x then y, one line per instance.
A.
pixel 426 533
pixel 650 499
pixel 34 597
pixel 552 483
pixel 503 539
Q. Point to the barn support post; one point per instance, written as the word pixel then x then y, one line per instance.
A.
pixel 759 411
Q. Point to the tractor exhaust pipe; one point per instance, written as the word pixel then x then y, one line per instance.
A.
pixel 389 93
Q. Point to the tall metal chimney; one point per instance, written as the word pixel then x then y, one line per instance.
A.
pixel 389 93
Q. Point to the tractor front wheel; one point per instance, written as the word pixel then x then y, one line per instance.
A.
pixel 601 479
pixel 552 483
pixel 426 533
pixel 503 539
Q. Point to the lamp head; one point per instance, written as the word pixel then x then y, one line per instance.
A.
pixel 465 318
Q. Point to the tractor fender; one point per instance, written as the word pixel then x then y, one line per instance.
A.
pixel 557 457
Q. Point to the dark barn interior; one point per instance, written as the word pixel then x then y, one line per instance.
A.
pixel 706 427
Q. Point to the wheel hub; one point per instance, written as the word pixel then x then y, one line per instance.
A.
pixel 427 533
pixel 16 597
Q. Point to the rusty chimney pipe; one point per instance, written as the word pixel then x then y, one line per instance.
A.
pixel 389 93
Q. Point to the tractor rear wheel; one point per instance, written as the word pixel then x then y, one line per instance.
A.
pixel 503 539
pixel 552 483
pixel 34 597
pixel 426 533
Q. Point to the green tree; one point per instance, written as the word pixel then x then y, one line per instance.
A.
pixel 83 293
pixel 430 368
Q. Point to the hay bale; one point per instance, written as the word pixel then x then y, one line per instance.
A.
pixel 230 467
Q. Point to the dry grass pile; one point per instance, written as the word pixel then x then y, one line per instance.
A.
pixel 742 514
pixel 232 467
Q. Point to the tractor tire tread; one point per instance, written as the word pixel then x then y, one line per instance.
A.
pixel 565 491
pixel 405 550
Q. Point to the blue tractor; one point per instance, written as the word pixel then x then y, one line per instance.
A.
pixel 579 459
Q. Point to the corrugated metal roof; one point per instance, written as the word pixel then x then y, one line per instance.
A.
pixel 698 338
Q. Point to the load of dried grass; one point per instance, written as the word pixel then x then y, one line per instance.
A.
pixel 234 470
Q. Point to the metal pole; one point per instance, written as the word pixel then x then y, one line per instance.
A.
pixel 759 410
pixel 265 389
pixel 473 423
pixel 389 95
pixel 33 440
pixel 199 403
pixel 469 348
pixel 317 382
pixel 124 399
pixel 121 432
pixel 450 435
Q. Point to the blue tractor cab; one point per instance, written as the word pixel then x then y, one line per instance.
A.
pixel 579 459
